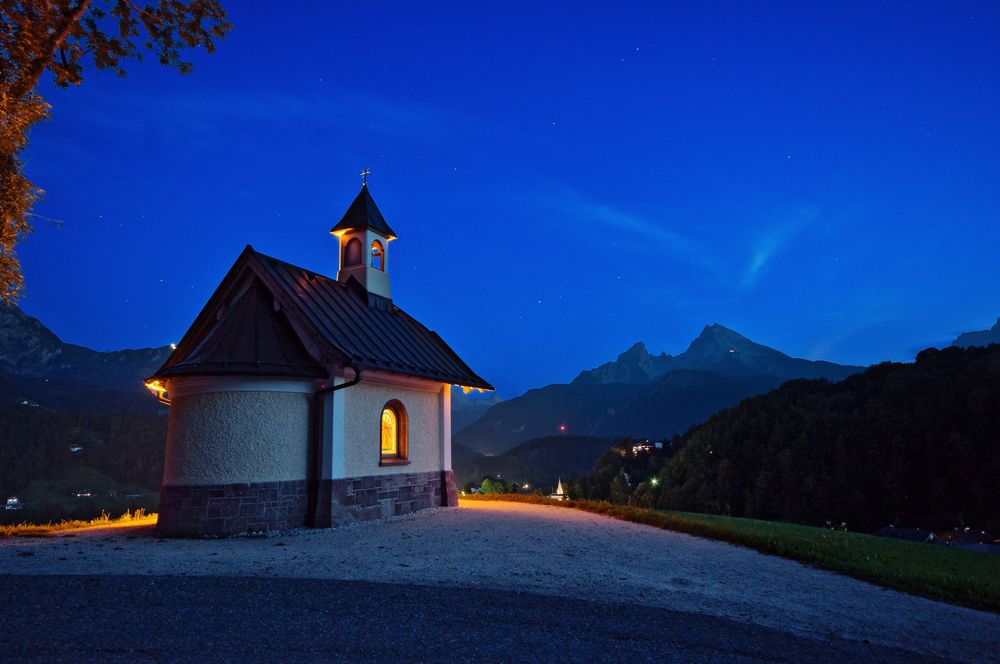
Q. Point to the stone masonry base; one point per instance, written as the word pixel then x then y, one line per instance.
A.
pixel 378 496
pixel 216 510
pixel 229 509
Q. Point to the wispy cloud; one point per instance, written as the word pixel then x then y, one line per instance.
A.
pixel 213 116
pixel 775 238
pixel 606 217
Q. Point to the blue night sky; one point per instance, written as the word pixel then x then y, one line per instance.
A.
pixel 822 177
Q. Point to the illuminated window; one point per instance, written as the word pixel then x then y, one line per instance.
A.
pixel 378 256
pixel 393 446
pixel 352 252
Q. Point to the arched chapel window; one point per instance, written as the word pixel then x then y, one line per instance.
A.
pixel 394 432
pixel 352 252
pixel 378 256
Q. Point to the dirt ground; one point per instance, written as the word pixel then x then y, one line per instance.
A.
pixel 548 551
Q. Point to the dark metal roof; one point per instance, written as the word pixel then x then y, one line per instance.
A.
pixel 363 213
pixel 342 320
pixel 376 335
pixel 250 338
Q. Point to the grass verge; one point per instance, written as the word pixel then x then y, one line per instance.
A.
pixel 138 518
pixel 968 578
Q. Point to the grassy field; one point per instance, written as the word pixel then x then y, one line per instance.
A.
pixel 968 578
pixel 138 517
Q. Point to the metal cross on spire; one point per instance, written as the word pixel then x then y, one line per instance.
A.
pixel 365 172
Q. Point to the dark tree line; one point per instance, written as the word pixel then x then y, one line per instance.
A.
pixel 911 444
pixel 35 445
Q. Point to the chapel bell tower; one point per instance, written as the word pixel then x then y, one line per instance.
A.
pixel 364 244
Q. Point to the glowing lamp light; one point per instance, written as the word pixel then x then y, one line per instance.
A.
pixel 466 389
pixel 159 389
pixel 562 428
pixel 655 481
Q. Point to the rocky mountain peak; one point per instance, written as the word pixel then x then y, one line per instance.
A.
pixel 718 341
pixel 981 338
pixel 25 344
pixel 721 336
pixel 635 365
pixel 636 353
pixel 36 364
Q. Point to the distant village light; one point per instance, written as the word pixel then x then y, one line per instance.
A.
pixel 562 427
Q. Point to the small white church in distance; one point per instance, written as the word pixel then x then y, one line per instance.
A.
pixel 302 400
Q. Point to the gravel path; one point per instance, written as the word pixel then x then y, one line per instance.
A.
pixel 548 551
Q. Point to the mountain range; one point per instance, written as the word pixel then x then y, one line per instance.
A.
pixel 467 408
pixel 639 394
pixel 981 338
pixel 645 395
pixel 38 369
pixel 717 350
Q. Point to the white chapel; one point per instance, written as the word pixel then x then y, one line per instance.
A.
pixel 298 399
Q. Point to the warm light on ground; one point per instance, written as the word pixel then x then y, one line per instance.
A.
pixel 128 520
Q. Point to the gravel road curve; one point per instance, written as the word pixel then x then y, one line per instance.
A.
pixel 544 551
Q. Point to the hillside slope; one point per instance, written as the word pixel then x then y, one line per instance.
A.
pixel 467 408
pixel 38 368
pixel 910 444
pixel 540 462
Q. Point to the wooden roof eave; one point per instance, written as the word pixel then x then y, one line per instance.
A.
pixel 329 356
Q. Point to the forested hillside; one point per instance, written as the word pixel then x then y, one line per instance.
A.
pixel 37 367
pixel 911 444
pixel 49 456
pixel 539 463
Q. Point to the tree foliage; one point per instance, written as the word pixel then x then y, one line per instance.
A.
pixel 910 444
pixel 64 37
pixel 35 444
pixel 624 476
pixel 496 485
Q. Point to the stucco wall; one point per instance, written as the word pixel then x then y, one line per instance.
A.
pixel 231 437
pixel 363 405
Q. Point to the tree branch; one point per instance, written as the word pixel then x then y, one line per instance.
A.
pixel 140 10
pixel 26 83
